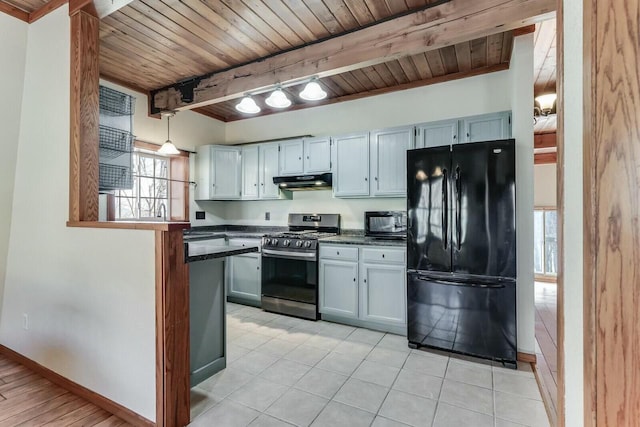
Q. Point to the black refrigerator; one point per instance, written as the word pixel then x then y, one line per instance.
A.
pixel 461 249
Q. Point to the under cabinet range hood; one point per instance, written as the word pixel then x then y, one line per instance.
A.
pixel 304 182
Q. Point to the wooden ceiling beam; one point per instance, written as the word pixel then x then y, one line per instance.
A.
pixel 14 11
pixel 426 30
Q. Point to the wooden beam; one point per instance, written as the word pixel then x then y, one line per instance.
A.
pixel 545 158
pixel 14 11
pixel 85 107
pixel 544 140
pixel 172 331
pixel 524 30
pixel 611 200
pixel 430 29
pixel 45 9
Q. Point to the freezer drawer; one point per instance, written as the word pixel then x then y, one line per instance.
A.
pixel 475 317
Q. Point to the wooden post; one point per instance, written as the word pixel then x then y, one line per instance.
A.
pixel 85 116
pixel 612 212
pixel 172 331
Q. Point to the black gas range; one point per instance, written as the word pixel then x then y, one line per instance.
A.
pixel 290 265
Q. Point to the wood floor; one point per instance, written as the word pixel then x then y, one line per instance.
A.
pixel 547 343
pixel 27 399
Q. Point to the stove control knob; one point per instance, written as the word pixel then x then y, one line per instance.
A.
pixel 307 244
pixel 286 242
pixel 274 242
pixel 267 241
pixel 298 243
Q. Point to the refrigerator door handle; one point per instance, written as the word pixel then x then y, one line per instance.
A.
pixel 445 210
pixel 462 284
pixel 458 206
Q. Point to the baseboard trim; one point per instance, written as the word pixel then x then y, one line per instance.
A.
pixel 526 357
pixel 75 388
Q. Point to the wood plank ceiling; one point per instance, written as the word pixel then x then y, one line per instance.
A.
pixel 544 58
pixel 150 44
pixel 26 5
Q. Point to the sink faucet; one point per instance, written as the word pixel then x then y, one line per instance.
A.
pixel 162 209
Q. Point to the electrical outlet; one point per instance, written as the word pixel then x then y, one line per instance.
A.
pixel 267 216
pixel 25 321
pixel 200 215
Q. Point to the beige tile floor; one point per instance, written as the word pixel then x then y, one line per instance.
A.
pixel 283 371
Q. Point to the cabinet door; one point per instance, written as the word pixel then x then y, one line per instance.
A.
pixel 389 161
pixel 269 162
pixel 317 155
pixel 338 288
pixel 250 169
pixel 244 276
pixel 383 296
pixel 291 157
pixel 487 127
pixel 226 173
pixel 203 173
pixel 437 134
pixel 351 165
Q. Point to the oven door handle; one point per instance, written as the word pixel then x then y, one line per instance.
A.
pixel 270 253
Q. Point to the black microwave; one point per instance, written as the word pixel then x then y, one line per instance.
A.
pixel 386 224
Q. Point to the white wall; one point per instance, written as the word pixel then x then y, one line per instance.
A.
pixel 521 70
pixel 13 47
pixel 572 261
pixel 544 186
pixel 475 95
pixel 89 294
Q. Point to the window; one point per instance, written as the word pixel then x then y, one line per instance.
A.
pixel 545 223
pixel 149 199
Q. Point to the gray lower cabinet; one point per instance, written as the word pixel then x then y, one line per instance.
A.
pixel 364 285
pixel 244 274
pixel 338 287
pixel 383 296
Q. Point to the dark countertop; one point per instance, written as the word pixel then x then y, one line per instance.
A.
pixel 218 252
pixel 230 232
pixel 359 239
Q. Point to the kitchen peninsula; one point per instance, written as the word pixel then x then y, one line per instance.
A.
pixel 205 255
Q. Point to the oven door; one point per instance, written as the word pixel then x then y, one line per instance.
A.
pixel 290 276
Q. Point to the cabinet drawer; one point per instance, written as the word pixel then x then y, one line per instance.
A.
pixel 384 255
pixel 339 252
pixel 244 242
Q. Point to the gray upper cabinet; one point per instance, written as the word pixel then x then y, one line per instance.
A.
pixel 388 154
pixel 486 127
pixel 218 173
pixel 269 167
pixel 437 134
pixel 291 157
pixel 317 155
pixel 351 165
pixel 250 172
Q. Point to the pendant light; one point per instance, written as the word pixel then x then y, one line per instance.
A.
pixel 248 105
pixel 278 99
pixel 313 91
pixel 168 148
pixel 546 103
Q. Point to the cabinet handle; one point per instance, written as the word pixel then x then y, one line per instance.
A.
pixel 376 178
pixel 365 280
pixel 354 279
pixel 337 252
pixel 382 255
pixel 262 184
pixel 299 158
pixel 307 157
pixel 255 185
pixel 258 268
pixel 366 179
pixel 213 185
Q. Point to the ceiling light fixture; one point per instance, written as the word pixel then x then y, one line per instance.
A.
pixel 168 148
pixel 278 99
pixel 248 105
pixel 313 91
pixel 546 103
